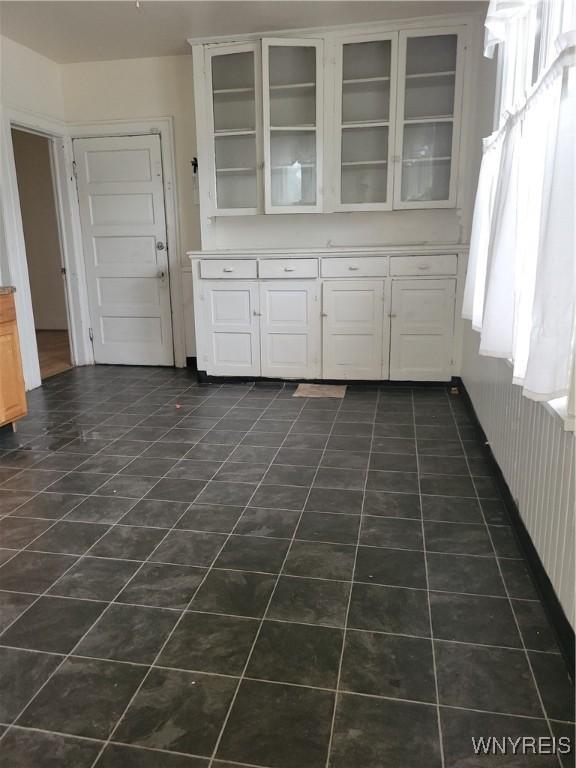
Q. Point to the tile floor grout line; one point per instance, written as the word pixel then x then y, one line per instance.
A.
pixel 511 605
pixel 428 601
pixel 272 593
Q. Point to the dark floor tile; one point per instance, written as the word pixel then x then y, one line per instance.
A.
pixel 263 439
pixel 379 733
pixel 128 633
pixel 567 732
pixel 22 674
pixel 556 688
pixel 208 643
pixel 84 698
pixel 323 526
pixel 178 711
pixel 66 537
pixel 386 504
pixel 457 538
pixel 165 450
pixel 444 465
pixel 79 482
pixel 388 665
pixel 241 472
pixel 439 447
pixel 391 567
pixel 320 560
pixel 298 457
pixel 346 460
pixel 128 487
pixel 48 506
pixel 278 725
pixel 334 500
pixel 505 542
pixel 169 489
pixel 297 653
pixel 12 500
pixel 534 625
pixel 100 509
pixel 125 447
pixel 203 452
pixel 279 497
pixel 393 445
pixel 451 509
pixel 63 461
pixel 462 573
pixel 17 532
pixel 128 542
pixel 223 437
pixel 494 679
pixel 395 482
pixel 234 592
pixel 33 749
pixel 310 601
pixel 495 512
pixel 436 432
pixel 460 727
pixel 155 513
pixel 251 553
pixel 253 454
pixel 391 532
pixel 102 463
pixel 33 480
pixel 389 609
pixel 307 442
pixel 118 756
pixel 340 443
pixel 447 485
pixel 188 548
pixel 518 580
pixel 210 517
pixel 306 426
pixel 474 619
pixel 33 571
pixel 53 624
pixel 487 488
pixel 280 475
pixel 349 479
pixel 13 605
pixel 163 586
pixel 278 523
pixel 353 428
pixel 393 462
pixel 92 578
pixel 233 494
pixel 148 467
pixel 387 429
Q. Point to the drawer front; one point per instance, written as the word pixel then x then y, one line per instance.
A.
pixel 424 265
pixel 228 268
pixel 364 266
pixel 288 268
pixel 7 308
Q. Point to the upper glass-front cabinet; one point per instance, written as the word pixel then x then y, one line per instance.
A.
pixel 292 73
pixel 428 119
pixel 234 75
pixel 365 95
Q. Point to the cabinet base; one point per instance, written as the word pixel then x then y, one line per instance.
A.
pixel 206 378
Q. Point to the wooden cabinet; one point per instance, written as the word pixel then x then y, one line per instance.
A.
pixel 12 393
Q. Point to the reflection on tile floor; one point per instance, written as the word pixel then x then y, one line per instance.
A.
pixel 222 575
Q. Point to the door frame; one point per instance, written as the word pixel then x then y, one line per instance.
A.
pixel 14 267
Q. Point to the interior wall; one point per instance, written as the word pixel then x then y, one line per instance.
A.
pixel 536 457
pixel 41 235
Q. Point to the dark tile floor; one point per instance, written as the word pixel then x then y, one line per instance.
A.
pixel 199 576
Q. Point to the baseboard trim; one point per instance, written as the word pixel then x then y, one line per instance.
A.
pixel 375 384
pixel 192 362
pixel 564 633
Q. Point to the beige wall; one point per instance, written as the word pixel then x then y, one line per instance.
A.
pixel 32 157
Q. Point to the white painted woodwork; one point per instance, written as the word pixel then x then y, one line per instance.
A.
pixel 226 269
pixel 421 329
pixel 353 328
pixel 288 268
pixel 122 214
pixel 417 266
pixel 362 266
pixel 290 329
pixel 231 322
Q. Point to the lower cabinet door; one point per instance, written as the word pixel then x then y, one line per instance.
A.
pixel 422 328
pixel 353 329
pixel 231 327
pixel 290 328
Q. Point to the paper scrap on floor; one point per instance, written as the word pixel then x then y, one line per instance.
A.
pixel 320 390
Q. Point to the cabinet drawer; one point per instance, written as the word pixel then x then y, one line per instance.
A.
pixel 288 268
pixel 7 309
pixel 228 268
pixel 364 266
pixel 424 265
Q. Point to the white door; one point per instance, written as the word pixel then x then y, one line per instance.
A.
pixel 353 329
pixel 290 329
pixel 124 235
pixel 232 328
pixel 422 323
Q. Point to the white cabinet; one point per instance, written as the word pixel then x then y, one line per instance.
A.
pixel 293 115
pixel 233 117
pixel 421 329
pixel 290 328
pixel 355 340
pixel 231 314
pixel 364 102
pixel 428 118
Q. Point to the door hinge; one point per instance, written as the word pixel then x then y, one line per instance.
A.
pixel 91 334
pixel 74 169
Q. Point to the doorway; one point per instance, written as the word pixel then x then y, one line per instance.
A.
pixel 32 158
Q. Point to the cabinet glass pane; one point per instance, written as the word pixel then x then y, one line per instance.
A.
pixel 233 91
pixel 293 171
pixel 366 81
pixel 430 76
pixel 292 75
pixel 426 161
pixel 364 165
pixel 436 53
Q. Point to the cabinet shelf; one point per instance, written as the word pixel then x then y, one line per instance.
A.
pixel 426 159
pixel 354 163
pixel 289 167
pixel 422 75
pixel 310 127
pixel 361 80
pixel 366 124
pixel 235 132
pixel 291 86
pixel 429 119
pixel 219 91
pixel 236 170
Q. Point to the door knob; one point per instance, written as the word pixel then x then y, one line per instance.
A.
pixel 160 246
pixel 161 275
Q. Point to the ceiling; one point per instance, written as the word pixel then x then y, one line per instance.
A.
pixel 96 31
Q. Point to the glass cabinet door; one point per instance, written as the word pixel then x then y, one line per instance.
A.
pixel 234 91
pixel 366 85
pixel 427 119
pixel 292 107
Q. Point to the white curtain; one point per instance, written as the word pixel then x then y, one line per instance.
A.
pixel 521 285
